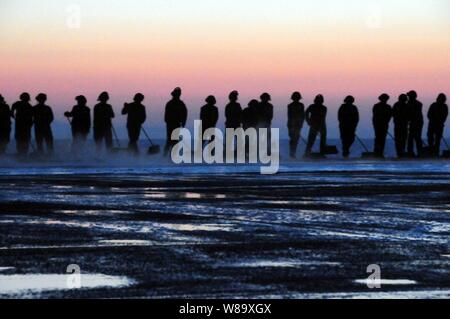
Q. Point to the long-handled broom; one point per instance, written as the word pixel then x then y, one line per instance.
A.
pixel 153 149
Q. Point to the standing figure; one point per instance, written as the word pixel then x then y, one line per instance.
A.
pixel 80 124
pixel 382 113
pixel 103 115
pixel 5 125
pixel 175 117
pixel 265 112
pixel 316 118
pixel 415 124
pixel 43 118
pixel 348 117
pixel 22 112
pixel 233 112
pixel 209 114
pixel 437 115
pixel 136 117
pixel 233 116
pixel 250 121
pixel 250 115
pixel 401 119
pixel 296 118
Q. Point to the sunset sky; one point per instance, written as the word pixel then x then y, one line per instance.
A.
pixel 207 47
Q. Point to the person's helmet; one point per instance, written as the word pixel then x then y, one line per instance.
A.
pixel 176 92
pixel 349 99
pixel 25 97
pixel 41 97
pixel 412 94
pixel 81 99
pixel 319 99
pixel 403 98
pixel 233 95
pixel 103 97
pixel 139 97
pixel 253 103
pixel 210 100
pixel 265 97
pixel 296 96
pixel 384 97
pixel 442 98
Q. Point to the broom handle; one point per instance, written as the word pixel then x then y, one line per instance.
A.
pixel 147 136
pixel 115 135
pixel 445 142
pixel 362 143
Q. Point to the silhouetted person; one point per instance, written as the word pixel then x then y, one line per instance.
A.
pixel 136 117
pixel 233 112
pixel 81 122
pixel 250 120
pixel 5 125
pixel 265 114
pixel 43 118
pixel 316 118
pixel 296 118
pixel 437 115
pixel 382 114
pixel 175 117
pixel 103 115
pixel 22 112
pixel 415 124
pixel 348 117
pixel 209 114
pixel 401 120
pixel 250 115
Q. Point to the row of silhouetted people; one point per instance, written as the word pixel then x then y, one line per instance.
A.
pixel 406 113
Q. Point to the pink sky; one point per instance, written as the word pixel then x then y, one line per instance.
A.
pixel 274 46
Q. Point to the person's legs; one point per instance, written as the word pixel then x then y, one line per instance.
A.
pixel 439 133
pixel 294 136
pixel 311 139
pixel 323 140
pixel 419 141
pixel 98 138
pixel 133 136
pixel 108 138
pixel 39 140
pixel 4 140
pixel 49 140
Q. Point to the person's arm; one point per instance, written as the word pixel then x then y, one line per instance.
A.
pixel 357 116
pixel 340 115
pixel 216 116
pixel 308 116
pixel 88 112
pixel 184 115
pixel 13 111
pixel 125 109
pixel 50 115
pixel 144 114
pixel 430 112
pixel 111 115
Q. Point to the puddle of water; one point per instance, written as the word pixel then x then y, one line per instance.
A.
pixel 192 196
pixel 126 242
pixel 156 195
pixel 192 227
pixel 18 284
pixel 394 282
pixel 284 263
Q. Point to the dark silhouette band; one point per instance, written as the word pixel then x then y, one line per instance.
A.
pixel 407 115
